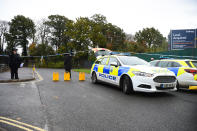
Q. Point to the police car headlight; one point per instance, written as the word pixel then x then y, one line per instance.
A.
pixel 139 73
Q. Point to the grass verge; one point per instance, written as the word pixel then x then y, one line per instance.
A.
pixel 82 70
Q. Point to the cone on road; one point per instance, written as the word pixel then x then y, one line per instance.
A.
pixel 55 76
pixel 66 76
pixel 81 76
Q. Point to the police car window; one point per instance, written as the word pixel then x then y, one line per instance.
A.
pixel 131 60
pixel 112 59
pixel 104 61
pixel 175 64
pixel 98 61
pixel 163 64
pixel 153 63
pixel 157 64
pixel 170 64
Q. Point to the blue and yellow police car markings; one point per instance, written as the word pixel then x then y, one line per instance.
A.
pixel 182 63
pixel 123 70
pixel 106 69
pixel 181 71
pixel 107 76
pixel 130 72
pixel 94 67
pixel 178 70
pixel 114 70
pixel 192 64
pixel 100 68
pixel 109 72
pixel 19 125
pixel 175 70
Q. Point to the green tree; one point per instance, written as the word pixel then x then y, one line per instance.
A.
pixel 10 42
pixel 150 36
pixel 58 26
pixel 131 46
pixel 106 35
pixel 22 29
pixel 40 50
pixel 32 49
pixel 80 34
pixel 115 36
pixel 97 34
pixel 164 46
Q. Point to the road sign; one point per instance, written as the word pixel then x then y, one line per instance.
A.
pixel 181 39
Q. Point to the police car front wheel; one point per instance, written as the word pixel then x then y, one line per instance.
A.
pixel 127 85
pixel 94 78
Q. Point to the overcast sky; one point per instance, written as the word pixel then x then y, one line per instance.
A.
pixel 130 15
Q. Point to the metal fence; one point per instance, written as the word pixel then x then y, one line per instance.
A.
pixel 176 54
pixel 79 60
pixel 86 59
pixel 3 63
pixel 3 67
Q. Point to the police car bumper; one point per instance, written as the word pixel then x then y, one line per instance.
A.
pixel 147 84
pixel 187 83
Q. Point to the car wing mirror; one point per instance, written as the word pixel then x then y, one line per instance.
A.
pixel 114 64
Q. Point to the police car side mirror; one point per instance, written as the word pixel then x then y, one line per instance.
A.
pixel 114 64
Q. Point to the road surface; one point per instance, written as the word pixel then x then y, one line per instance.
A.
pixel 82 106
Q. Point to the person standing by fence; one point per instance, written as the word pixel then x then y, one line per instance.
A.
pixel 68 63
pixel 14 64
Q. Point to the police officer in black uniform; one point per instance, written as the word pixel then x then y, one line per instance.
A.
pixel 14 63
pixel 68 63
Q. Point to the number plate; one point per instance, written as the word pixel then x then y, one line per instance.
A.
pixel 166 85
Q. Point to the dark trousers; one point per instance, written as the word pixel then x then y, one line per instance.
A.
pixel 68 70
pixel 14 73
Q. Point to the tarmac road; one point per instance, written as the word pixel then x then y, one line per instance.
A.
pixel 82 106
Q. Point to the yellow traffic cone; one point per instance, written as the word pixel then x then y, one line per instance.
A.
pixel 66 76
pixel 55 76
pixel 81 76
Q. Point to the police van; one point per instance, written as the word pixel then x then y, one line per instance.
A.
pixel 131 73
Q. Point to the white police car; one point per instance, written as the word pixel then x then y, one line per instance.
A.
pixel 184 69
pixel 132 74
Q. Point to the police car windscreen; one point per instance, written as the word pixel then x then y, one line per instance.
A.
pixel 129 60
pixel 153 63
pixel 102 53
